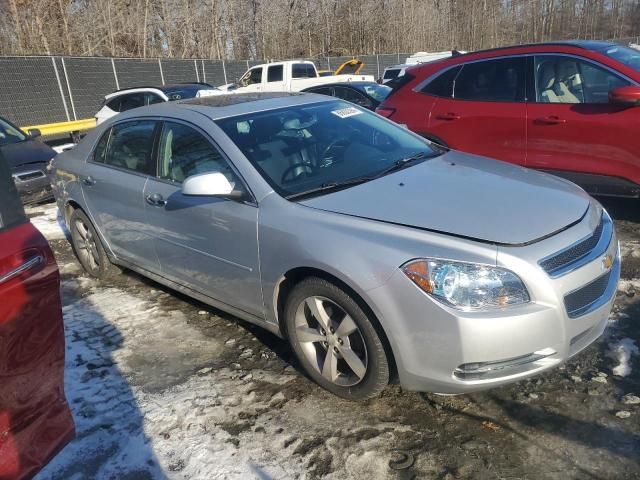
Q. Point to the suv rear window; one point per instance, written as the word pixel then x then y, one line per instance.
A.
pixel 11 211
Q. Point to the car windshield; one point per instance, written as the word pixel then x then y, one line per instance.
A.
pixel 624 55
pixel 314 148
pixel 10 134
pixel 376 91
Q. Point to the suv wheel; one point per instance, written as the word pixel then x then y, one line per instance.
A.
pixel 335 341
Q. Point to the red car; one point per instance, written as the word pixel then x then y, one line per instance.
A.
pixel 569 108
pixel 35 420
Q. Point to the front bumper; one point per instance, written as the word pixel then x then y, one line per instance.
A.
pixel 33 190
pixel 444 350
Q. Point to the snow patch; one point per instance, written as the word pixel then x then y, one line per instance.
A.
pixel 48 219
pixel 622 351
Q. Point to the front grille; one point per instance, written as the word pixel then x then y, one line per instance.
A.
pixel 24 177
pixel 571 256
pixel 579 301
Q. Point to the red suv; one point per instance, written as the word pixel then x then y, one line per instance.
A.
pixel 569 108
pixel 35 420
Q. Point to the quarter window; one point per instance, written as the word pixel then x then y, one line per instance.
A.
pixel 442 85
pixel 101 149
pixel 562 79
pixel 131 145
pixel 500 80
pixel 275 73
pixel 184 152
pixel 132 100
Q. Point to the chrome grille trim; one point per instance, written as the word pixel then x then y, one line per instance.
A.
pixel 581 252
pixel 594 294
pixel 30 175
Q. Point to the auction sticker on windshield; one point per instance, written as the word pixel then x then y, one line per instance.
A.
pixel 346 112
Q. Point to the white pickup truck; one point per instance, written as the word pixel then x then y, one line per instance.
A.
pixel 290 76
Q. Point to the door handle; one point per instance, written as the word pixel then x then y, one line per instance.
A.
pixel 156 200
pixel 448 116
pixel 89 181
pixel 550 120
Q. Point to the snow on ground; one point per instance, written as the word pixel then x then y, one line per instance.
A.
pixel 162 387
pixel 622 351
pixel 48 220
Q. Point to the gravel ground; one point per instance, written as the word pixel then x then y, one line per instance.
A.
pixel 162 386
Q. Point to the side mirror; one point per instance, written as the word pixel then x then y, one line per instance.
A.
pixel 34 133
pixel 629 96
pixel 211 185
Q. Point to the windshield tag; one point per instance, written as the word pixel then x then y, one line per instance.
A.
pixel 346 112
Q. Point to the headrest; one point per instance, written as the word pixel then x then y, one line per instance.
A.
pixel 547 76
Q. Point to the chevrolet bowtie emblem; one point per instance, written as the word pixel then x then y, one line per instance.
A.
pixel 607 262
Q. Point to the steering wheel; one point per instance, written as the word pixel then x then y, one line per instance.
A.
pixel 334 151
pixel 293 172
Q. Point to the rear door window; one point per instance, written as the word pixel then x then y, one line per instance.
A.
pixel 496 80
pixel 303 70
pixel 130 146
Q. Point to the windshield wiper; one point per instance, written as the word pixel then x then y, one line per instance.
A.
pixel 400 164
pixel 325 187
pixel 332 186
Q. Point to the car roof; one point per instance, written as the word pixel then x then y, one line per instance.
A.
pixel 594 45
pixel 229 105
pixel 164 88
pixel 342 84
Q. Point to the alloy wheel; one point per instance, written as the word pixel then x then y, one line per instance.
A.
pixel 86 246
pixel 331 341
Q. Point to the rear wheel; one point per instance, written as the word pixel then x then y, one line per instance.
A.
pixel 88 247
pixel 335 341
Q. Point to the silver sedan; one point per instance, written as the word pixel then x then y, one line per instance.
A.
pixel 373 251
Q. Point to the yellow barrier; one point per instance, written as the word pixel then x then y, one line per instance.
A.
pixel 64 127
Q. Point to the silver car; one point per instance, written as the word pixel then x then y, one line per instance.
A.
pixel 373 251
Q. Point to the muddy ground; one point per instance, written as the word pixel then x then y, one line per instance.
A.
pixel 162 386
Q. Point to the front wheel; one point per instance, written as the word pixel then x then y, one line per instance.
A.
pixel 335 341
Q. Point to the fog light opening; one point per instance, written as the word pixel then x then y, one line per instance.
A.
pixel 500 368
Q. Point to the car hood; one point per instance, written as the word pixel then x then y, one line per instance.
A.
pixel 467 196
pixel 27 152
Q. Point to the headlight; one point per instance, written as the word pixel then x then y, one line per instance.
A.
pixel 467 286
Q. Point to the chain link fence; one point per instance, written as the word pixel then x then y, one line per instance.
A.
pixel 39 90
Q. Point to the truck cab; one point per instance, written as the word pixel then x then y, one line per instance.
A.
pixel 289 76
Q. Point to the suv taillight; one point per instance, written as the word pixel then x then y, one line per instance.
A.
pixel 385 111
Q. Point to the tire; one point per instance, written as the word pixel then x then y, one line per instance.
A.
pixel 88 247
pixel 327 353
